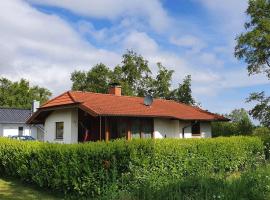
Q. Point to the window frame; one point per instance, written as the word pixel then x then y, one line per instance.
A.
pixel 56 131
pixel 20 130
pixel 142 122
pixel 198 124
pixel 134 121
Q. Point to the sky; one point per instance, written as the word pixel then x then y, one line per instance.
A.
pixel 44 41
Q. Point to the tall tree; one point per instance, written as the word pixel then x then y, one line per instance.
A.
pixel 136 73
pixel 262 110
pixel 136 79
pixel 20 94
pixel 253 46
pixel 242 120
pixel 162 83
pixel 183 93
pixel 96 79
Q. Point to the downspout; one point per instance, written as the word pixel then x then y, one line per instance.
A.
pixel 183 130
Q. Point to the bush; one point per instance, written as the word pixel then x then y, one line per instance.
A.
pixel 240 124
pixel 264 134
pixel 231 128
pixel 253 184
pixel 102 168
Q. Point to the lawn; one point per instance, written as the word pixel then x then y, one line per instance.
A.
pixel 11 189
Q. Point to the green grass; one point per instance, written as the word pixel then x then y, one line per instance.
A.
pixel 11 189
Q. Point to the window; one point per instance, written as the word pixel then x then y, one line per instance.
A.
pixel 141 128
pixel 59 133
pixel 121 128
pixel 135 129
pixel 196 129
pixel 146 129
pixel 20 131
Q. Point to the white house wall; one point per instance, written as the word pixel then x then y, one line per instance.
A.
pixel 7 130
pixel 206 130
pixel 40 135
pixel 173 129
pixel 166 128
pixel 70 119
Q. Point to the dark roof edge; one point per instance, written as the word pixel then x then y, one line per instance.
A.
pixel 7 108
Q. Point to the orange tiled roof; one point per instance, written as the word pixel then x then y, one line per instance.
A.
pixel 111 105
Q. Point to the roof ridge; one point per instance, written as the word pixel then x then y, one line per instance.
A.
pixel 7 108
pixel 72 97
pixel 106 94
pixel 54 98
pixel 125 96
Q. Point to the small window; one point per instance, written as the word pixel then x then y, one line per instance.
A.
pixel 59 130
pixel 20 129
pixel 146 128
pixel 196 129
pixel 135 129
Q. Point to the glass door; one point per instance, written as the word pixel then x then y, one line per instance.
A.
pixel 121 128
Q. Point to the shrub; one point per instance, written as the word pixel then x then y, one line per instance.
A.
pixel 253 184
pixel 240 124
pixel 264 134
pixel 102 168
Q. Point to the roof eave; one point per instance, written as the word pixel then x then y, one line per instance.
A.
pixel 59 107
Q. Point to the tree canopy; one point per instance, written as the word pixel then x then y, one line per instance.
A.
pixel 253 46
pixel 20 94
pixel 262 110
pixel 95 80
pixel 136 79
pixel 240 124
pixel 183 93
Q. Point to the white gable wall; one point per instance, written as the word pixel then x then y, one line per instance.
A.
pixel 70 119
pixel 8 129
pixel 170 128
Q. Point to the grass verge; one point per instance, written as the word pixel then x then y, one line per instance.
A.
pixel 11 189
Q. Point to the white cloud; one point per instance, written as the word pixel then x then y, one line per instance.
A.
pixel 141 42
pixel 43 48
pixel 188 41
pixel 151 10
pixel 210 60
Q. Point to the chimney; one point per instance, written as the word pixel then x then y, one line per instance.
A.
pixel 115 89
pixel 35 106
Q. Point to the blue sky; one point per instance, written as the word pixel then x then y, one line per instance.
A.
pixel 45 40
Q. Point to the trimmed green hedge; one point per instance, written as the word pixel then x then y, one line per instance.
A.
pixel 97 169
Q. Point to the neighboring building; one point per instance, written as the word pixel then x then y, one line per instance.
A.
pixel 76 116
pixel 13 123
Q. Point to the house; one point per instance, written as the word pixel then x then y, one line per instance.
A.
pixel 13 123
pixel 77 116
